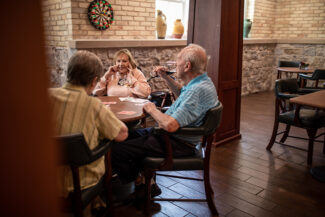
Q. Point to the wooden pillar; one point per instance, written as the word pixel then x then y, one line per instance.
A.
pixel 28 183
pixel 217 25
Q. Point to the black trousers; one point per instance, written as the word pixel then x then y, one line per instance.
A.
pixel 127 156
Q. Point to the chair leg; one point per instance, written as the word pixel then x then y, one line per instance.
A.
pixel 209 194
pixel 311 134
pixel 286 134
pixel 148 176
pixel 324 146
pixel 206 176
pixel 108 183
pixel 275 130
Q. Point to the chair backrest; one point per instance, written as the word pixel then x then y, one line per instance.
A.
pixel 212 119
pixel 318 74
pixel 288 64
pixel 75 150
pixel 285 86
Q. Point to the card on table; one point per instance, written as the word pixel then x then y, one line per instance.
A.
pixel 109 103
pixel 126 112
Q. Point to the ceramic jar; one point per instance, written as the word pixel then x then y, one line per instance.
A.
pixel 247 27
pixel 178 29
pixel 161 25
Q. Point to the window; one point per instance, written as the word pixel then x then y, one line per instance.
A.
pixel 174 9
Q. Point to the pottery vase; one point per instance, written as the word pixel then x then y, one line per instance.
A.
pixel 161 24
pixel 178 30
pixel 247 27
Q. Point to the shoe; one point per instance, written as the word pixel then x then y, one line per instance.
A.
pixel 155 190
pixel 99 211
pixel 154 207
pixel 140 191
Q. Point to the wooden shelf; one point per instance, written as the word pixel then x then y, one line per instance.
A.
pixel 126 43
pixel 283 41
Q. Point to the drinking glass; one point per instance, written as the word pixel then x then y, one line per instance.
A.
pixel 169 65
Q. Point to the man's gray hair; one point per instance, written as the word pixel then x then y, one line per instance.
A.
pixel 197 56
pixel 83 67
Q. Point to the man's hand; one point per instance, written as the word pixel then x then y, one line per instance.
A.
pixel 164 121
pixel 161 71
pixel 149 107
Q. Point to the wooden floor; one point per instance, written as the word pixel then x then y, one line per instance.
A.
pixel 247 179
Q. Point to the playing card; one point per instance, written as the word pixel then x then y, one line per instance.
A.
pixel 126 112
pixel 109 103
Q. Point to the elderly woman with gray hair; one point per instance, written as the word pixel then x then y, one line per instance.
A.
pixel 123 79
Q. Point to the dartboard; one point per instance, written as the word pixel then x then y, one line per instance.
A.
pixel 100 14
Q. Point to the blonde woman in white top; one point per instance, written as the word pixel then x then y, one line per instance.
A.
pixel 123 79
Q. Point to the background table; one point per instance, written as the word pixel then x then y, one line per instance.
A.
pixel 316 100
pixel 295 70
pixel 124 106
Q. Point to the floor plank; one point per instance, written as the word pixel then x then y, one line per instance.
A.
pixel 247 179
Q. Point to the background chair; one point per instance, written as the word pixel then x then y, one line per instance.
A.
pixel 199 162
pixel 318 74
pixel 286 64
pixel 76 153
pixel 286 113
pixel 162 99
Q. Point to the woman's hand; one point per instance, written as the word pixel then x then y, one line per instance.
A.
pixel 111 71
pixel 131 79
pixel 100 91
pixel 103 82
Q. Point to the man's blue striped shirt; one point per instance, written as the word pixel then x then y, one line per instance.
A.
pixel 196 98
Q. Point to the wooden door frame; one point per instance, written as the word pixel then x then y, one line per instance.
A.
pixel 225 33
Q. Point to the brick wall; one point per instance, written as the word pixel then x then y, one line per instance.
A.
pixel 57 23
pixel 300 19
pixel 134 19
pixel 263 19
pixel 287 19
pixel 66 20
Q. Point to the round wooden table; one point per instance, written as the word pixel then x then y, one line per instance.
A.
pixel 295 70
pixel 124 106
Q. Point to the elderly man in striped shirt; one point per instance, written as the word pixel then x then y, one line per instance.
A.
pixel 74 111
pixel 195 97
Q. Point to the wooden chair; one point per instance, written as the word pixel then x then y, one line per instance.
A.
pixel 199 162
pixel 162 99
pixel 318 74
pixel 286 113
pixel 283 63
pixel 76 153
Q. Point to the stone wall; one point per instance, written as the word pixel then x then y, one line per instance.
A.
pixel 146 58
pixel 308 53
pixel 260 61
pixel 314 55
pixel 258 68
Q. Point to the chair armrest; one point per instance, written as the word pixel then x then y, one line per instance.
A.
pixel 286 95
pixel 304 76
pixel 195 131
pixel 308 90
pixel 297 116
pixel 100 150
